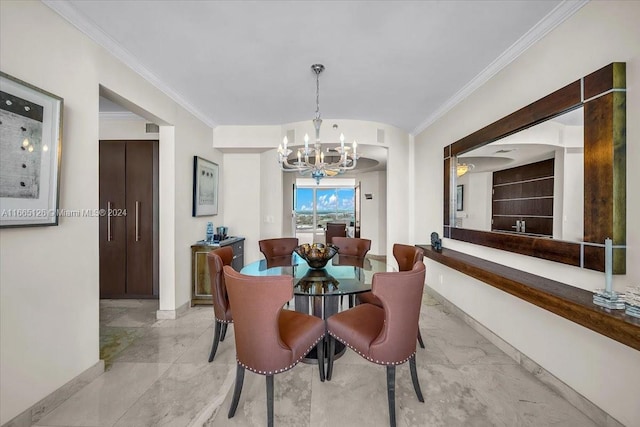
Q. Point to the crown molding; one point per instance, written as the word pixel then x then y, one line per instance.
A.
pixel 90 29
pixel 121 115
pixel 554 18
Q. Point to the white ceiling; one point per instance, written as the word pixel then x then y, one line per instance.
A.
pixel 402 63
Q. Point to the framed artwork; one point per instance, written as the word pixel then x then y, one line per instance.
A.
pixel 205 187
pixel 30 153
pixel 460 197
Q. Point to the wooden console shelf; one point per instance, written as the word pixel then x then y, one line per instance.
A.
pixel 567 301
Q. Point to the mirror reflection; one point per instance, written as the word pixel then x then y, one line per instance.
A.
pixel 529 183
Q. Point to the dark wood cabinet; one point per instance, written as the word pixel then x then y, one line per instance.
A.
pixel 128 196
pixel 201 285
pixel 522 199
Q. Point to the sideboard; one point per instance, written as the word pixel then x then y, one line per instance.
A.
pixel 200 284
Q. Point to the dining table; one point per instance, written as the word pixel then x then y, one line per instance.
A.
pixel 318 291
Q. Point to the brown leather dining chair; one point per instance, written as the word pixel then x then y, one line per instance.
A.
pixel 384 335
pixel 277 248
pixel 334 229
pixel 217 259
pixel 406 256
pixel 269 339
pixel 351 247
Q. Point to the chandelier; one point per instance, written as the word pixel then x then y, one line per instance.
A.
pixel 312 160
pixel 463 168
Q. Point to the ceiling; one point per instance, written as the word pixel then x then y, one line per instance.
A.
pixel 402 63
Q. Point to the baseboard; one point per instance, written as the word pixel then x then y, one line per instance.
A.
pixel 173 314
pixel 584 405
pixel 36 412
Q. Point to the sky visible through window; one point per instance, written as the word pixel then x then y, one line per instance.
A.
pixel 331 204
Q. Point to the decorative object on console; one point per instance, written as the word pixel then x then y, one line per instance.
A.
pixel 210 235
pixel 317 255
pixel 205 187
pixel 436 241
pixel 30 152
pixel 318 168
pixel 632 300
pixel 607 297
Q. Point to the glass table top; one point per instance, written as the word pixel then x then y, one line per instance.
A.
pixel 341 276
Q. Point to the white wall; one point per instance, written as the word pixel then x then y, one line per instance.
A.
pixel 242 200
pixel 49 275
pixel 598 34
pixel 373 212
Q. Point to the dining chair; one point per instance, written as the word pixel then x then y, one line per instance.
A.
pixel 352 247
pixel 334 229
pixel 406 256
pixel 217 259
pixel 269 339
pixel 384 335
pixel 279 247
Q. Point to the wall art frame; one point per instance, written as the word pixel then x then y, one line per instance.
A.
pixel 30 154
pixel 205 187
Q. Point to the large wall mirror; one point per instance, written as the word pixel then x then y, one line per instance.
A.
pixel 548 180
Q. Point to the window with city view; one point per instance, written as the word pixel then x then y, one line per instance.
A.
pixel 314 207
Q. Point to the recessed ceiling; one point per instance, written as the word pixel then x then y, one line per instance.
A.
pixel 401 63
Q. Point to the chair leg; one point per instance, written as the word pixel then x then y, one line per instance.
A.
pixel 237 390
pixel 270 400
pixel 420 339
pixel 223 332
pixel 391 393
pixel 216 340
pixel 414 378
pixel 332 349
pixel 320 353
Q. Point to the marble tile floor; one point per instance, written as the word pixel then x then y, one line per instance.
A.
pixel 157 374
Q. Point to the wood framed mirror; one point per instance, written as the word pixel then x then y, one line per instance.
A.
pixel 602 94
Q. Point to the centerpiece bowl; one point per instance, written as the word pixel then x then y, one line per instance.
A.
pixel 317 255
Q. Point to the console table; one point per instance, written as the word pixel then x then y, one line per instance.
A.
pixel 572 303
pixel 200 284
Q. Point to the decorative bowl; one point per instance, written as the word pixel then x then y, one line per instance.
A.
pixel 317 255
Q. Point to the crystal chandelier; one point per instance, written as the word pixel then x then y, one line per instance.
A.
pixel 312 161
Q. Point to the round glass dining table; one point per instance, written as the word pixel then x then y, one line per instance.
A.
pixel 318 291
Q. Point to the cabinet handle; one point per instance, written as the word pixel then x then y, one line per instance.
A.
pixel 137 221
pixel 109 222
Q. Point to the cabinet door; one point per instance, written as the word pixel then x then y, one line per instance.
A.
pixel 140 201
pixel 112 229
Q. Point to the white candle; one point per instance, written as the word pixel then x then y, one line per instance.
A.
pixel 608 265
pixel 306 143
pixel 285 141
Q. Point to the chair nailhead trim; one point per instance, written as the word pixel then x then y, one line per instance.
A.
pixel 223 321
pixel 277 371
pixel 367 357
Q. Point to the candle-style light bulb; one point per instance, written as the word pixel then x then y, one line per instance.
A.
pixel 355 146
pixel 284 142
pixel 321 157
pixel 342 142
pixel 299 157
pixel 306 142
